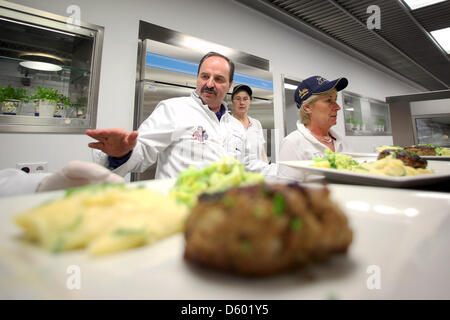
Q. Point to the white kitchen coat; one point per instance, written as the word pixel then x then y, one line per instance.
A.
pixel 182 132
pixel 15 182
pixel 255 137
pixel 302 145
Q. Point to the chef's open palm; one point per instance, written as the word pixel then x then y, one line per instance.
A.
pixel 114 142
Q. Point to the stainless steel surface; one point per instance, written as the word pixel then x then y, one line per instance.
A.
pixel 402 45
pixel 404 131
pixel 433 129
pixel 423 96
pixel 196 45
pixel 48 22
pixel 53 21
pixel 290 110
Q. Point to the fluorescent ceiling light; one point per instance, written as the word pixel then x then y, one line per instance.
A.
pixel 204 46
pixel 349 109
pixel 416 4
pixel 290 86
pixel 37 65
pixel 442 36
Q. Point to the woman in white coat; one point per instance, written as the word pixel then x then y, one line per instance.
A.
pixel 241 98
pixel 316 99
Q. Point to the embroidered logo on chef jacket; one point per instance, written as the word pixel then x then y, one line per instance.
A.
pixel 200 134
pixel 303 93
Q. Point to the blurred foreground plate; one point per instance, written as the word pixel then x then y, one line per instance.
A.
pixel 399 251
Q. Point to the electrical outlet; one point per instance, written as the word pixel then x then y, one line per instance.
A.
pixel 33 167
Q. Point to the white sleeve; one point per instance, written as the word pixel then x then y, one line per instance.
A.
pixel 289 151
pixel 156 133
pixel 15 182
pixel 253 164
pixel 261 134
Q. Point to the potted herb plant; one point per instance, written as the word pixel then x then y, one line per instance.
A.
pixel 48 98
pixel 349 124
pixel 62 106
pixel 361 125
pixel 12 99
pixel 379 125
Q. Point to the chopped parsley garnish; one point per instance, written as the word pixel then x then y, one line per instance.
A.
pixel 246 246
pixel 279 204
pixel 258 210
pixel 93 188
pixel 121 232
pixel 296 224
pixel 228 201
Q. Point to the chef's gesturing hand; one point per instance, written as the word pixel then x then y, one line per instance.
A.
pixel 114 142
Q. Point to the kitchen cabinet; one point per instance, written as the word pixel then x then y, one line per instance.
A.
pixel 49 71
pixel 365 116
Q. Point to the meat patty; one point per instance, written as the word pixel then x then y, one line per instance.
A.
pixel 265 229
pixel 408 158
pixel 422 150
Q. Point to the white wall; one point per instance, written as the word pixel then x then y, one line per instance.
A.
pixel 224 22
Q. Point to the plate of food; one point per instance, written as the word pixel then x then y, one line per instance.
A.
pixel 425 151
pixel 287 242
pixel 393 169
pixel 361 154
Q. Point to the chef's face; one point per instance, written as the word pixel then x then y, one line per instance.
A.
pixel 241 102
pixel 213 81
pixel 324 110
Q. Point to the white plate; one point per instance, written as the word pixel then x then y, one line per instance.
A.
pixel 442 173
pixel 360 154
pixel 375 155
pixel 400 250
pixel 441 158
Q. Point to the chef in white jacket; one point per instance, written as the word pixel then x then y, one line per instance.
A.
pixel 181 132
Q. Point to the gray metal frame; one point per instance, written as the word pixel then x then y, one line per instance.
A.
pixel 46 20
pixel 404 131
pixel 423 96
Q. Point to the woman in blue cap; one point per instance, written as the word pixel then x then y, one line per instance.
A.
pixel 316 99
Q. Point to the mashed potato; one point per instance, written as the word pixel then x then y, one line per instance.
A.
pixel 389 167
pixel 382 148
pixel 103 219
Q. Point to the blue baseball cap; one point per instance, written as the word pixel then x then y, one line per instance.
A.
pixel 316 85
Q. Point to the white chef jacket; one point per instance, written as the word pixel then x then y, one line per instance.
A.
pixel 255 137
pixel 302 145
pixel 182 132
pixel 16 182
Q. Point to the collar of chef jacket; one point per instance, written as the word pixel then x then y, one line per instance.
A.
pixel 223 107
pixel 307 134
